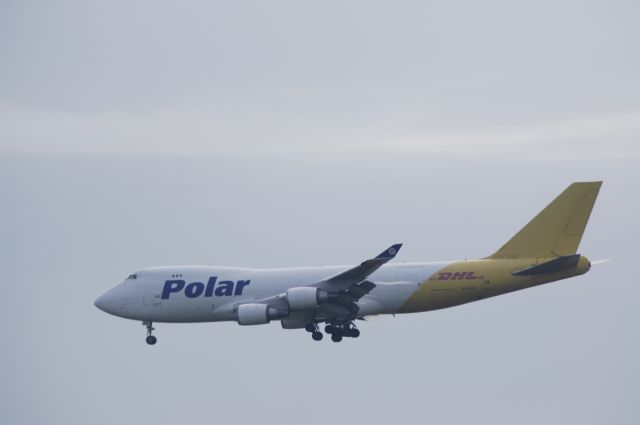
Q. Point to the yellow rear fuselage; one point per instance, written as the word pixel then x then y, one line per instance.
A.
pixel 466 281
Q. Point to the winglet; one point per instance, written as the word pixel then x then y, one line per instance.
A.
pixel 390 252
pixel 360 272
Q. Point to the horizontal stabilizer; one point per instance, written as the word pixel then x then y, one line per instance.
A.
pixel 551 266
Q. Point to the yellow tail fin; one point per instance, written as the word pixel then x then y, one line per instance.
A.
pixel 557 229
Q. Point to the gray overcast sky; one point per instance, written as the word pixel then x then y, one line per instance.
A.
pixel 146 133
pixel 211 77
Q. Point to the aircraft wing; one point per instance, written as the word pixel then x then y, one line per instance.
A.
pixel 345 288
pixel 348 278
pixel 344 303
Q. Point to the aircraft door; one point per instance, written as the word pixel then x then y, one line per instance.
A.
pixel 153 300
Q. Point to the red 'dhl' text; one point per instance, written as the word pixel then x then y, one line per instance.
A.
pixel 457 276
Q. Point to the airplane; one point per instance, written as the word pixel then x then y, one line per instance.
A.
pixel 543 251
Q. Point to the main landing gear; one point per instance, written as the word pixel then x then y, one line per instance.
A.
pixel 342 330
pixel 312 328
pixel 151 340
pixel 337 330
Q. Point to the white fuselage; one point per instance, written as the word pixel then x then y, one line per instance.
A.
pixel 210 294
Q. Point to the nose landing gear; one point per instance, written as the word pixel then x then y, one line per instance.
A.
pixel 151 340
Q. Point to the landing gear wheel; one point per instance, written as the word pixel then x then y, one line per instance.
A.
pixel 317 336
pixel 151 340
pixel 310 327
pixel 355 333
pixel 336 337
pixel 329 329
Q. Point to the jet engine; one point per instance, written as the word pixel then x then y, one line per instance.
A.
pixel 258 314
pixel 308 297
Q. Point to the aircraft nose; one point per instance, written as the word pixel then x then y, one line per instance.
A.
pixel 109 302
pixel 101 302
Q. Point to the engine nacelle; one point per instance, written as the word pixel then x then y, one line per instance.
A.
pixel 258 314
pixel 307 297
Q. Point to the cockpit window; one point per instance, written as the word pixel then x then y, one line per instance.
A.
pixel 133 276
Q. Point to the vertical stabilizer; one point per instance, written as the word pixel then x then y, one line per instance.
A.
pixel 557 230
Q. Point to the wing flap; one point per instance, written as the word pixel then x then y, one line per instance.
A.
pixel 360 290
